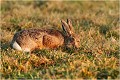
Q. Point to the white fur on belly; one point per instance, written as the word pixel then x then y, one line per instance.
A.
pixel 26 50
pixel 16 46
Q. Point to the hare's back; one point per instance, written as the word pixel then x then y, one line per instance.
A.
pixel 36 34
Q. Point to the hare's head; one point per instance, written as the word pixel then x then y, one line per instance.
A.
pixel 72 38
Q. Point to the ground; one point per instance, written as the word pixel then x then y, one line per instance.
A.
pixel 96 22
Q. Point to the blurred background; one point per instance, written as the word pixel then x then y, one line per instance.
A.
pixel 96 22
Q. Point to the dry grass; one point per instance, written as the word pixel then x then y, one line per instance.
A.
pixel 95 22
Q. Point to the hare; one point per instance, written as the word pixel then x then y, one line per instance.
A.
pixel 31 39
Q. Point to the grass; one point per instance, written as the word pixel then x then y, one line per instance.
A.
pixel 95 22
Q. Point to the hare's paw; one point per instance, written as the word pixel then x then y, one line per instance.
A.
pixel 26 50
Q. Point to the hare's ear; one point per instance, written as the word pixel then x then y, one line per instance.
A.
pixel 65 27
pixel 69 22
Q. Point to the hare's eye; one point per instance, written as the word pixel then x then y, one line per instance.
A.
pixel 78 41
pixel 71 39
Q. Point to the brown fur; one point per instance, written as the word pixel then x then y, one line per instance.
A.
pixel 39 38
pixel 46 38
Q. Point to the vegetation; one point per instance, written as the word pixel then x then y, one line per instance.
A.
pixel 97 24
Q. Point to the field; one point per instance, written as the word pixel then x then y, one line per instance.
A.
pixel 96 22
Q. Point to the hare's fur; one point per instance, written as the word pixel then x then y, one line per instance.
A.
pixel 16 46
pixel 28 40
pixel 31 39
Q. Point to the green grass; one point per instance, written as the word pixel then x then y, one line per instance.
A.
pixel 95 22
